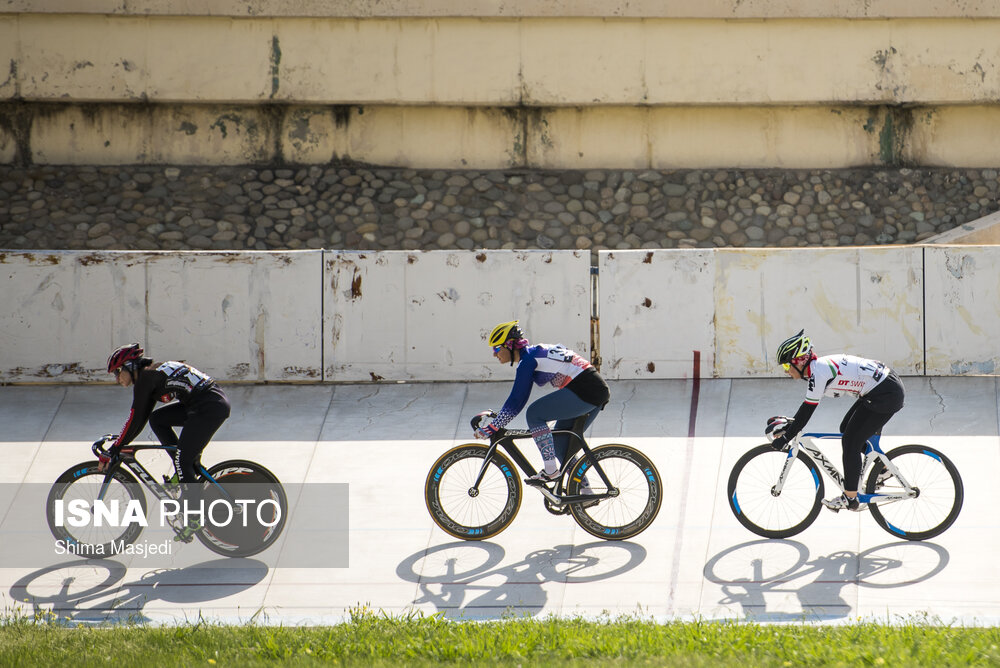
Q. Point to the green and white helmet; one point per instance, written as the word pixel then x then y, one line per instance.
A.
pixel 794 347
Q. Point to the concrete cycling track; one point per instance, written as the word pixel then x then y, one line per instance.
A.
pixel 695 561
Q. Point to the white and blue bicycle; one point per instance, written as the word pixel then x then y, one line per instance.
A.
pixel 914 492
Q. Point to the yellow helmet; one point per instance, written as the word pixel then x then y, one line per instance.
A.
pixel 505 332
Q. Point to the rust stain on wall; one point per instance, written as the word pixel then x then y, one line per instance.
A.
pixel 356 285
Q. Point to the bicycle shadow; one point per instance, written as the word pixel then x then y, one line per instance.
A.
pixel 94 591
pixel 451 576
pixel 762 572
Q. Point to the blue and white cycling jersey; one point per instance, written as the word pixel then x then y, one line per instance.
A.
pixel 540 364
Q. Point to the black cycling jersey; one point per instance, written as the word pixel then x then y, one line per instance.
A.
pixel 163 381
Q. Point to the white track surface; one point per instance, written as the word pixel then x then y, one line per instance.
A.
pixel 695 561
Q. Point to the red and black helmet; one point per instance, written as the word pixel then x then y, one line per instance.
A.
pixel 123 355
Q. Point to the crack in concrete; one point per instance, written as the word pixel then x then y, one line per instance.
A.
pixel 621 414
pixel 941 404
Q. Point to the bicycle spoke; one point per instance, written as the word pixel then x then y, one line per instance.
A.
pixel 468 513
pixel 754 503
pixel 936 488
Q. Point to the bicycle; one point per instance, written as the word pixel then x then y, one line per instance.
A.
pixel 473 491
pixel 913 491
pixel 244 488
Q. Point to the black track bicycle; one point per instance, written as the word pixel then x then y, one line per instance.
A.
pixel 253 495
pixel 474 491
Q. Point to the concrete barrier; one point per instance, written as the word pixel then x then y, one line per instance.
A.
pixel 425 316
pixel 237 316
pixel 312 316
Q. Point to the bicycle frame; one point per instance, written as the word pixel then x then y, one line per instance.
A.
pixel 506 441
pixel 129 461
pixel 873 452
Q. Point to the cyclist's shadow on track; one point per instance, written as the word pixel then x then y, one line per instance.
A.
pixel 95 591
pixel 463 579
pixel 760 572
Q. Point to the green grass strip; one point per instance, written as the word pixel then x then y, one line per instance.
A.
pixel 372 639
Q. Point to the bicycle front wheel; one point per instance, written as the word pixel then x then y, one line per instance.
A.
pixel 938 486
pixel 640 492
pixel 250 509
pixel 467 511
pixel 73 501
pixel 758 505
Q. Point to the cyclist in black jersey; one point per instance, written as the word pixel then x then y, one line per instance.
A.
pixel 200 409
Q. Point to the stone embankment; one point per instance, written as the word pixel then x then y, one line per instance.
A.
pixel 376 208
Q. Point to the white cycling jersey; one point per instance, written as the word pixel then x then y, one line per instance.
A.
pixel 837 375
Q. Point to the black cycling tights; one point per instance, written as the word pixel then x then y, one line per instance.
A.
pixel 198 423
pixel 860 424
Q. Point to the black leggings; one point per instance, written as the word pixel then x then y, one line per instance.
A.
pixel 198 421
pixel 865 419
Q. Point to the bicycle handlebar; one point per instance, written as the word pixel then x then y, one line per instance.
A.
pixel 478 418
pixel 97 448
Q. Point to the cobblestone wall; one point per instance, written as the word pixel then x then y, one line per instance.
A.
pixel 372 208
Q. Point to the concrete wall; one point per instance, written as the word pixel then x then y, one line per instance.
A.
pixel 248 316
pixel 533 84
pixel 419 316
pixel 315 316
pixel 737 305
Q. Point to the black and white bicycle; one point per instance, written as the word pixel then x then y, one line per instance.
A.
pixel 913 491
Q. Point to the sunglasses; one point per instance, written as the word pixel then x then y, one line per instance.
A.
pixel 497 349
pixel 786 367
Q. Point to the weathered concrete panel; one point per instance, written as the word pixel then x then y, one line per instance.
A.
pixel 656 309
pixel 237 316
pixel 785 137
pixel 106 135
pixel 8 57
pixel 867 301
pixel 159 134
pixel 963 310
pixel 426 315
pixel 84 58
pixel 536 61
pixel 451 61
pixel 445 137
pixel 199 135
pixel 722 9
pixel 941 136
pixel 217 60
pixel 61 313
pixel 735 306
pixel 249 316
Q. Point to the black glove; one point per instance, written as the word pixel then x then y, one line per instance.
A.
pixel 780 442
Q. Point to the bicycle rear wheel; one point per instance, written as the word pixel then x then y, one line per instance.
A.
pixel 640 492
pixel 466 512
pixel 754 502
pixel 939 499
pixel 76 492
pixel 256 521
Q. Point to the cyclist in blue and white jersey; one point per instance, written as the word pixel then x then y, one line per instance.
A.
pixel 580 391
pixel 878 392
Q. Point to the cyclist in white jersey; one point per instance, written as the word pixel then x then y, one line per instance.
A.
pixel 878 392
